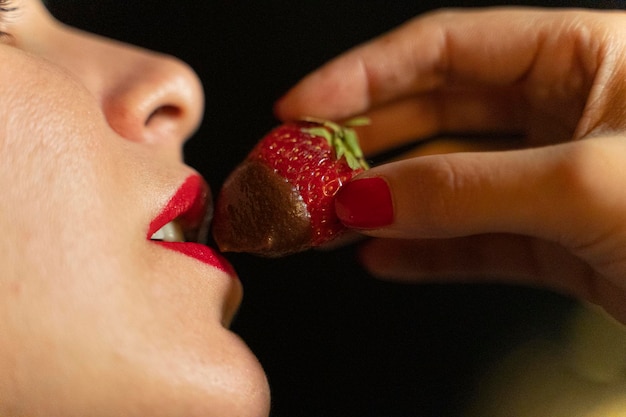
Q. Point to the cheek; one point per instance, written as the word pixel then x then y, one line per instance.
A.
pixel 53 204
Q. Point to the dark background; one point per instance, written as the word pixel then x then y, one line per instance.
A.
pixel 333 341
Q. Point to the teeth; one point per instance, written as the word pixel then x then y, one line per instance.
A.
pixel 171 232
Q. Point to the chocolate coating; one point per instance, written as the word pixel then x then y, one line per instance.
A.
pixel 259 212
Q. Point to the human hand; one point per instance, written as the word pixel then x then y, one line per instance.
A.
pixel 550 209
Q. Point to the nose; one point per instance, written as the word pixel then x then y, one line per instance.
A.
pixel 145 96
pixel 151 98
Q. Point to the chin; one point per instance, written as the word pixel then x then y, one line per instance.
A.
pixel 230 383
pixel 209 378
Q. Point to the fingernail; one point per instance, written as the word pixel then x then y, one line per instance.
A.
pixel 365 204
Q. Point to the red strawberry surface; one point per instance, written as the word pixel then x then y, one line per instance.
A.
pixel 280 200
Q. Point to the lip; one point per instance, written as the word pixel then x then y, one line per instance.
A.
pixel 191 206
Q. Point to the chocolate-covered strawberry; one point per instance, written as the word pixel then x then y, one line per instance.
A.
pixel 280 199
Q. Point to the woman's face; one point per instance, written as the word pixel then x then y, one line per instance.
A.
pixel 95 317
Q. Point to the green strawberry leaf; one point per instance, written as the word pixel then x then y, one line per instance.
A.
pixel 343 139
pixel 320 131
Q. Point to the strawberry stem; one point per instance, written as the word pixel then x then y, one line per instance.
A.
pixel 343 139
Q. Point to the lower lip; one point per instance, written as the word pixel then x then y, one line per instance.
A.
pixel 202 253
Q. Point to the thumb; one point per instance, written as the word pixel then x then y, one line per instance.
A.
pixel 561 193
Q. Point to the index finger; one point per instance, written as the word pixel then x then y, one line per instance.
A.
pixel 548 50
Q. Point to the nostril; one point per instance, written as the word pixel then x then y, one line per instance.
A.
pixel 164 124
pixel 164 112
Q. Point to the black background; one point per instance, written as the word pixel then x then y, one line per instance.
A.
pixel 333 341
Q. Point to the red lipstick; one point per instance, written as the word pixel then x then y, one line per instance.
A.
pixel 189 207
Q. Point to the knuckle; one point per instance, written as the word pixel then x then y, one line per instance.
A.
pixel 581 170
pixel 441 196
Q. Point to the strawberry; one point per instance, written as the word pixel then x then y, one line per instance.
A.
pixel 280 199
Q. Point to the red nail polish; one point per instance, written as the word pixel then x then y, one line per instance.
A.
pixel 365 203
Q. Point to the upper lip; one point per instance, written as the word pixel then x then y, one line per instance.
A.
pixel 191 207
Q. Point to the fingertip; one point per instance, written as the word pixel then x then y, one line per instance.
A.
pixel 391 260
pixel 280 108
pixel 375 259
pixel 298 102
pixel 332 92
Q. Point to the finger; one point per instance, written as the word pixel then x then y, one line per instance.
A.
pixel 405 121
pixel 489 257
pixel 445 145
pixel 566 193
pixel 492 258
pixel 549 52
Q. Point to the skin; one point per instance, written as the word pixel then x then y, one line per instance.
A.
pixel 548 209
pixel 97 320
